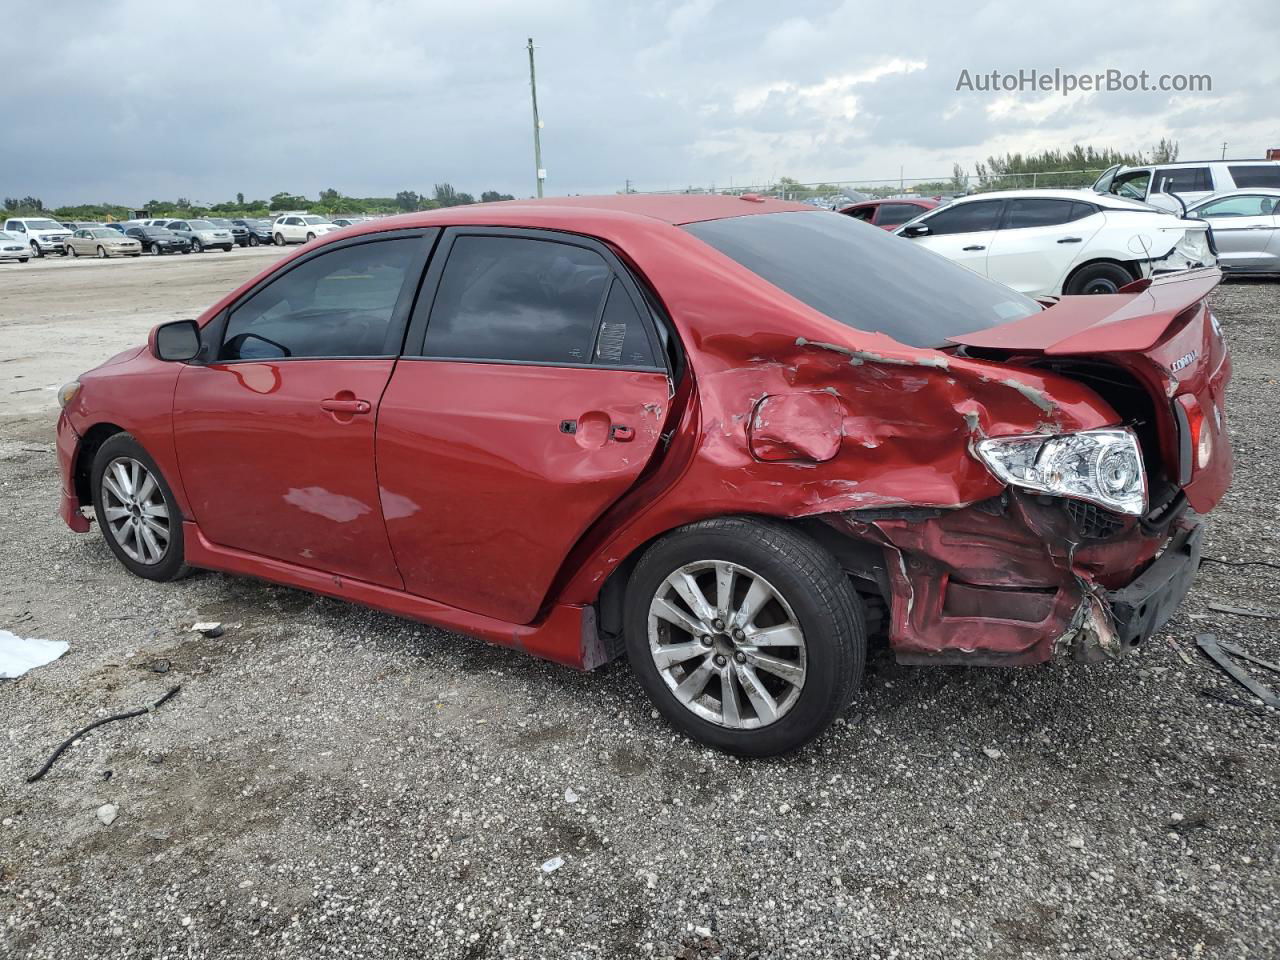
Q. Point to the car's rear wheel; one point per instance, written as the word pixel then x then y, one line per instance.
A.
pixel 197 246
pixel 136 510
pixel 746 634
pixel 1098 278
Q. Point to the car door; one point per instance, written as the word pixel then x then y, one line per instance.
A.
pixel 274 427
pixel 78 242
pixel 530 397
pixel 961 232
pixel 1038 240
pixel 1245 230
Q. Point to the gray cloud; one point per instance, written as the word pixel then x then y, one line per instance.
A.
pixel 374 97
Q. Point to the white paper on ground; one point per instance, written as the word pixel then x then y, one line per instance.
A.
pixel 20 654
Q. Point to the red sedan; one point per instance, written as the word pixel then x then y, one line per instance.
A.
pixel 724 436
pixel 890 214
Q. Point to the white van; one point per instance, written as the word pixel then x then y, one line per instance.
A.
pixel 1191 180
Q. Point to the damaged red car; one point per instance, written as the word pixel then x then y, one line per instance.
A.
pixel 728 438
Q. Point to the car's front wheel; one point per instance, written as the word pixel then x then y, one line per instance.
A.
pixel 36 251
pixel 197 246
pixel 253 241
pixel 746 634
pixel 102 253
pixel 71 251
pixel 279 240
pixel 1098 278
pixel 136 510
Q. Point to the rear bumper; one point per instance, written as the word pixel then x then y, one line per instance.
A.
pixel 69 508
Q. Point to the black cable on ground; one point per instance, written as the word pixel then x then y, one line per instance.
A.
pixel 1240 563
pixel 97 723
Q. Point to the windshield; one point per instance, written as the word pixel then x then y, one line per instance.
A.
pixel 200 225
pixel 864 277
pixel 44 225
pixel 314 220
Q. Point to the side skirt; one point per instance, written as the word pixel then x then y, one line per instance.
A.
pixel 566 635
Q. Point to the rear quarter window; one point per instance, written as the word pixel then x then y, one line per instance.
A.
pixel 1260 175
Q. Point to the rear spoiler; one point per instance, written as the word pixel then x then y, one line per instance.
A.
pixel 1132 320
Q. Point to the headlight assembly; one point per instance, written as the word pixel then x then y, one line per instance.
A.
pixel 67 393
pixel 1101 466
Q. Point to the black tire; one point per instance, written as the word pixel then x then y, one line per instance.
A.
pixel 171 565
pixel 36 251
pixel 155 250
pixel 310 237
pixel 227 248
pixel 71 252
pixel 102 253
pixel 822 600
pixel 197 246
pixel 23 259
pixel 253 241
pixel 279 239
pixel 1098 278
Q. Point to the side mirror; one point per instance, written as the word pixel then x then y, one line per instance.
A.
pixel 178 341
pixel 916 230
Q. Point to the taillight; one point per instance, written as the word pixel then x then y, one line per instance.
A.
pixel 1198 443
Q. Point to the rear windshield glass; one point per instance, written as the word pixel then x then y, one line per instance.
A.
pixel 864 277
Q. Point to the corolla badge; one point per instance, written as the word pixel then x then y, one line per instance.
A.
pixel 1183 361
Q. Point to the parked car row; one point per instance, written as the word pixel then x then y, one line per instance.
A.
pixel 25 237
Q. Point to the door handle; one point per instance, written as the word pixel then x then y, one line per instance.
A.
pixel 976 246
pixel 334 405
pixel 1071 240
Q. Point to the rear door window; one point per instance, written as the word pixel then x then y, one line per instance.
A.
pixel 1182 180
pixel 518 299
pixel 1036 212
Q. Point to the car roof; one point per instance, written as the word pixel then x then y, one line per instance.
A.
pixel 1081 195
pixel 1250 161
pixel 672 208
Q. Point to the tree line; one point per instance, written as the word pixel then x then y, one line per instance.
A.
pixel 329 203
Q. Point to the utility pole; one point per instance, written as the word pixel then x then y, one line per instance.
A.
pixel 537 124
pixel 1224 149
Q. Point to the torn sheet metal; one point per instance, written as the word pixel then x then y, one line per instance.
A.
pixel 20 654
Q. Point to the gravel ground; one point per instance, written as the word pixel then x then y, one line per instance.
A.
pixel 332 782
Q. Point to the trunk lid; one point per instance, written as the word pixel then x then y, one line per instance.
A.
pixel 1156 354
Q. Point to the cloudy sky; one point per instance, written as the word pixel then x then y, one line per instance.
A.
pixel 131 101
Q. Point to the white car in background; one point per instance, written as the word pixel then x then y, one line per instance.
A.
pixel 40 234
pixel 1246 228
pixel 13 247
pixel 1163 184
pixel 1051 242
pixel 299 228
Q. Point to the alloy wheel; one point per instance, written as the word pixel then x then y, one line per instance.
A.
pixel 135 509
pixel 727 644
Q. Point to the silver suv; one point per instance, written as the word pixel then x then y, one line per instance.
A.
pixel 1191 180
pixel 201 234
